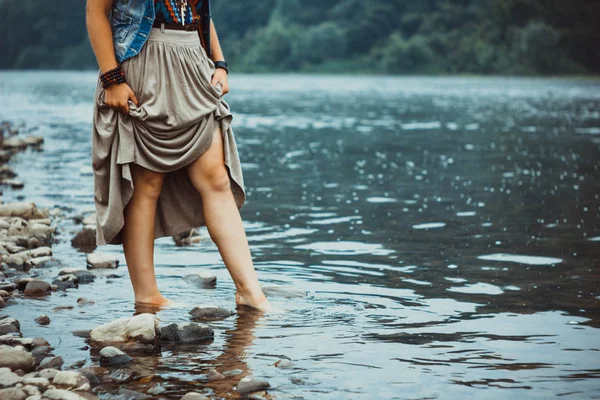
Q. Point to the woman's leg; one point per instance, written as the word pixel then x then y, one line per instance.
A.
pixel 138 234
pixel 209 176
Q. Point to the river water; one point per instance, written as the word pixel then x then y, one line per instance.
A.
pixel 427 237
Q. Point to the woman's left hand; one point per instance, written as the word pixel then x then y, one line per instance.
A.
pixel 220 76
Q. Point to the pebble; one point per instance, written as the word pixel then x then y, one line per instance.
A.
pixel 283 363
pixel 83 275
pixel 204 279
pixel 52 362
pixel 13 393
pixel 214 375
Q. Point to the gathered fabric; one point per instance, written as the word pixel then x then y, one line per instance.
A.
pixel 179 110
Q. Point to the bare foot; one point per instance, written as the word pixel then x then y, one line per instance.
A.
pixel 157 300
pixel 262 303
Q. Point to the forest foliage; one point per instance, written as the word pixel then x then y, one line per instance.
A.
pixel 516 37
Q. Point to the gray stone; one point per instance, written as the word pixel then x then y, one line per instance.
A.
pixel 13 394
pixel 194 396
pixel 39 262
pixel 142 328
pixel 8 378
pixel 154 390
pixel 48 373
pixel 250 384
pixel 2 305
pixel 39 381
pixel 283 363
pixel 40 352
pixel 289 292
pixel 186 332
pixel 37 288
pixel 85 238
pixel 82 301
pixel 83 276
pixel 52 362
pixel 208 313
pixel 42 320
pixel 7 328
pixel 126 394
pixel 11 321
pixel 31 390
pixel 110 355
pixel 15 358
pixel 69 379
pixel 102 260
pixel 61 394
pixel 214 375
pixel 202 279
pixel 39 341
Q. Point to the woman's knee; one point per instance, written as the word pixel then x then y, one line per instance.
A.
pixel 215 180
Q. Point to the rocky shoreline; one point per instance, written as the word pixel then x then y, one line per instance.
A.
pixel 28 367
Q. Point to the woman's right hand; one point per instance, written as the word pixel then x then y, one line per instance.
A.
pixel 117 95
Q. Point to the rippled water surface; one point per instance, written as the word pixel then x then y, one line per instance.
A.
pixel 445 232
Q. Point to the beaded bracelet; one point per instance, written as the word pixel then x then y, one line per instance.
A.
pixel 115 75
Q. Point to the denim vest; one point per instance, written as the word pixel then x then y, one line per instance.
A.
pixel 131 22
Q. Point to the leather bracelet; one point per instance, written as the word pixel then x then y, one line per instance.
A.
pixel 221 64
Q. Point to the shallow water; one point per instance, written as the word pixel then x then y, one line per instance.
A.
pixel 445 232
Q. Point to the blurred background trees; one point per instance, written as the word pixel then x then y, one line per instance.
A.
pixel 525 37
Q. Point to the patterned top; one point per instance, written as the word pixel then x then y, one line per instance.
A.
pixel 167 11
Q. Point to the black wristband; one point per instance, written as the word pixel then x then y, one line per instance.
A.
pixel 221 64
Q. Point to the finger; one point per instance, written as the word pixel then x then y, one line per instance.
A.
pixel 133 98
pixel 215 80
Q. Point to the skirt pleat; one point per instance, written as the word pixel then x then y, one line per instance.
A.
pixel 177 113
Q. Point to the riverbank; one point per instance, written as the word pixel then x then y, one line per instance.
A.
pixel 123 350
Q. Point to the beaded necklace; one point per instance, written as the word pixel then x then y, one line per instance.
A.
pixel 181 5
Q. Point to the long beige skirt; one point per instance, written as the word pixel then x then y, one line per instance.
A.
pixel 179 110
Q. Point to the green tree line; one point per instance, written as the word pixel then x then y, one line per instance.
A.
pixel 517 37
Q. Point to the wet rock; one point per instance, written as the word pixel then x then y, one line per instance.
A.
pixel 26 210
pixel 37 288
pixel 142 328
pixel 194 396
pixel 7 328
pixel 69 379
pixel 89 220
pixel 15 358
pixel 208 313
pixel 34 140
pixel 154 390
pixel 64 282
pixel 102 260
pixel 84 239
pixel 39 342
pixel 52 362
pixel 283 363
pixel 8 378
pixel 82 301
pixel 214 375
pixel 126 394
pixel 48 373
pixel 2 305
pixel 250 384
pixel 62 394
pixel 186 332
pixel 84 333
pixel 8 287
pixel 41 352
pixel 83 276
pixel 11 321
pixel 12 339
pixel 112 356
pixel 39 262
pixel 122 376
pixel 13 394
pixel 39 382
pixel 233 372
pixel 31 390
pixel 202 279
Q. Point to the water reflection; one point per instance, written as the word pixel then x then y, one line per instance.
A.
pixel 433 236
